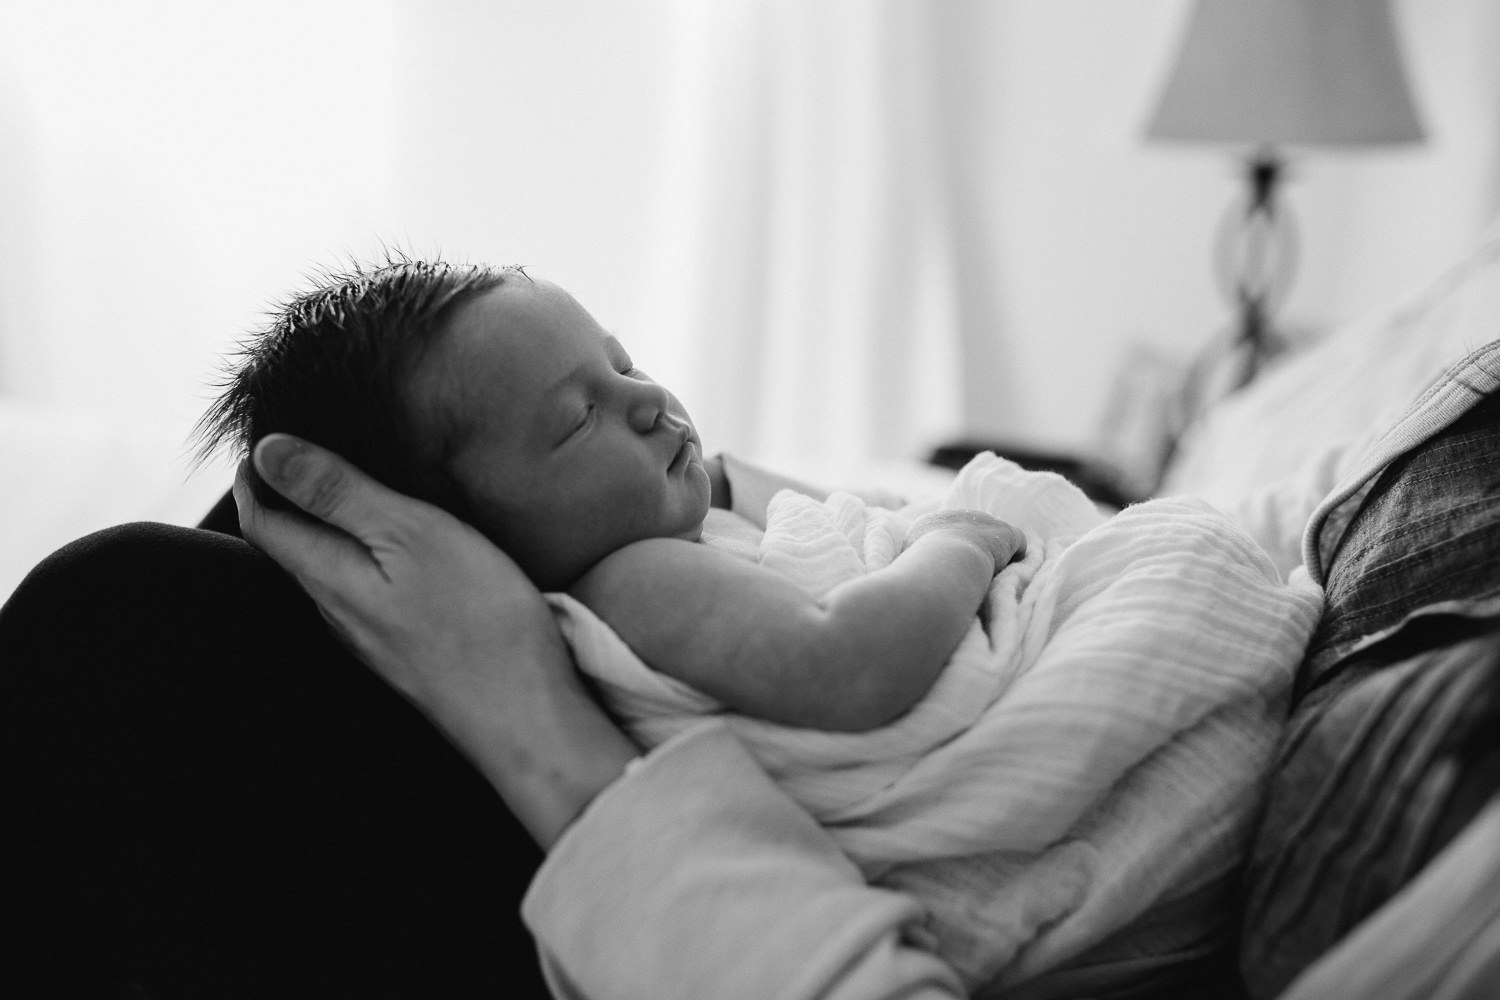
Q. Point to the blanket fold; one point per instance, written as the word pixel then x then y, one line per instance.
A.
pixel 1092 754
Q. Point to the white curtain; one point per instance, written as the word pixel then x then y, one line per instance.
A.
pixel 840 229
pixel 806 257
pixel 892 221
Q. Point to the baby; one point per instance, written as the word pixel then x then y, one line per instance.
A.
pixel 1064 780
pixel 499 398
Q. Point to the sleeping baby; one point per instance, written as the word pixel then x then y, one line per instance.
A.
pixel 1047 725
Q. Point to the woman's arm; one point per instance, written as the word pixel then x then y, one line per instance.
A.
pixel 752 639
pixel 447 620
pixel 718 886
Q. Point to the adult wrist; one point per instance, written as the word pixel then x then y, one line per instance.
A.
pixel 525 721
pixel 548 749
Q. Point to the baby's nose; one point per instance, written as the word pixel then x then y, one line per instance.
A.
pixel 649 407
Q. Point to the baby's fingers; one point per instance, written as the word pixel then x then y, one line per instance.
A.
pixel 1015 540
pixel 1002 540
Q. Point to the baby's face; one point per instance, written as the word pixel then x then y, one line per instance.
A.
pixel 569 452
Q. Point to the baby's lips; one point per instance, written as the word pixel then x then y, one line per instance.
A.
pixel 683 429
pixel 684 450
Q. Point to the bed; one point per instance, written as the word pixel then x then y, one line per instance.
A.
pixel 1376 866
pixel 1377 863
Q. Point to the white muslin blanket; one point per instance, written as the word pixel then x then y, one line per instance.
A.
pixel 1089 760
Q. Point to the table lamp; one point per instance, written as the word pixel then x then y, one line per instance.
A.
pixel 1261 75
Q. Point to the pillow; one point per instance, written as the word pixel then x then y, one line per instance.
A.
pixel 1394 740
pixel 1371 783
pixel 1309 406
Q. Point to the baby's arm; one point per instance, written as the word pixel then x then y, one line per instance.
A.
pixel 754 640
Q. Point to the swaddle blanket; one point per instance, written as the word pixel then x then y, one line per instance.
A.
pixel 1085 767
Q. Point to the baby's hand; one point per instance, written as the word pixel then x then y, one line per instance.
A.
pixel 1001 541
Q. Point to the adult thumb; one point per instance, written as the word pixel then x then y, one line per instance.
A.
pixel 321 483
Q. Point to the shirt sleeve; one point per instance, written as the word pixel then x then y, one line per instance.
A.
pixel 694 876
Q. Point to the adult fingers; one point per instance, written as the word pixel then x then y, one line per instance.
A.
pixel 330 489
pixel 306 548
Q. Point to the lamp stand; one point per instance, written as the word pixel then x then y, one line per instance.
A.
pixel 1255 257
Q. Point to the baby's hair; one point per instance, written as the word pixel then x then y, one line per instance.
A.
pixel 332 367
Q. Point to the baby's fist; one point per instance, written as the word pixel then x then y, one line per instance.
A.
pixel 1003 542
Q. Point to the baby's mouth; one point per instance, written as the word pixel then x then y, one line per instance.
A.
pixel 687 440
pixel 684 454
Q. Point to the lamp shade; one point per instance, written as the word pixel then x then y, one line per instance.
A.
pixel 1277 72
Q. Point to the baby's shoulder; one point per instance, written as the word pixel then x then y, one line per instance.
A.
pixel 642 555
pixel 652 565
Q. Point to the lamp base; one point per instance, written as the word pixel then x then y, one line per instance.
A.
pixel 1254 260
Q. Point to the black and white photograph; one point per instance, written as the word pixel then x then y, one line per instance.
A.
pixel 749 499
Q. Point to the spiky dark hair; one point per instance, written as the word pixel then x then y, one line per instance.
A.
pixel 331 368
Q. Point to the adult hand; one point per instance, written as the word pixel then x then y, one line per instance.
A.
pixel 412 590
pixel 448 620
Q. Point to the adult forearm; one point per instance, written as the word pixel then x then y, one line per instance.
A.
pixel 537 737
pixel 718 885
pixel 446 619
